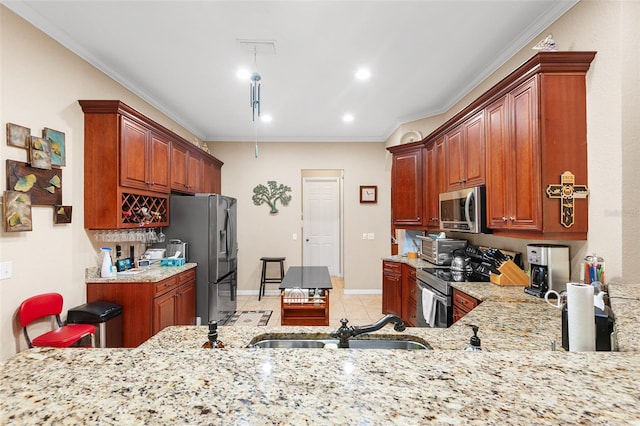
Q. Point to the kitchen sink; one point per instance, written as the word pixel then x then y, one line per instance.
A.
pixel 384 342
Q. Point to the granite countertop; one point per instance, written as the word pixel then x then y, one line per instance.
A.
pixel 151 274
pixel 516 379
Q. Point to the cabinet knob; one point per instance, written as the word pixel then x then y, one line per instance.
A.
pixel 512 218
pixel 504 219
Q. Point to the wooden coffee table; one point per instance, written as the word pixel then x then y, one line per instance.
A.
pixel 307 310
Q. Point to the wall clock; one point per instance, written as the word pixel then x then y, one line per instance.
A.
pixel 369 194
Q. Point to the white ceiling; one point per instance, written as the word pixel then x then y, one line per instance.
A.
pixel 182 57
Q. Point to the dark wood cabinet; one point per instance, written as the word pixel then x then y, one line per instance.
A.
pixel 399 291
pixel 392 288
pixel 514 191
pixel 408 186
pixel 149 307
pixel 212 181
pixel 179 167
pixel 462 304
pixel 465 154
pixel 536 132
pixel 519 138
pixel 144 158
pixel 131 163
pixel 188 171
pixel 408 296
pixel 194 173
pixel 434 169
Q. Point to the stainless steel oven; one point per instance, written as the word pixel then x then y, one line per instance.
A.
pixel 432 279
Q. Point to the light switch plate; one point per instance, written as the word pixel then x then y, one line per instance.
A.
pixel 6 270
pixel 364 235
pixel 371 236
pixel 295 236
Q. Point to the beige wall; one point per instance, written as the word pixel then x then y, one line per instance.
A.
pixel 40 84
pixel 261 234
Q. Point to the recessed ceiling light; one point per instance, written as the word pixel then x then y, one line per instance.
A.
pixel 243 74
pixel 363 74
pixel 266 118
pixel 347 118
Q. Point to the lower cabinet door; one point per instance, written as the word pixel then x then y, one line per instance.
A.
pixel 164 311
pixel 186 304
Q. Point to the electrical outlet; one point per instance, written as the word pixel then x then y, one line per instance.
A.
pixel 6 270
pixel 371 236
pixel 295 236
pixel 364 235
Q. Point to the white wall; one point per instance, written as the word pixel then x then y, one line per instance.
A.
pixel 262 234
pixel 40 84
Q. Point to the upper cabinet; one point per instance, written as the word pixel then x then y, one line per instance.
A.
pixel 434 170
pixel 408 185
pixel 144 157
pixel 525 139
pixel 465 154
pixel 132 163
pixel 514 192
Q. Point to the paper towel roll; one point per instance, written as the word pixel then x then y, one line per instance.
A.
pixel 580 315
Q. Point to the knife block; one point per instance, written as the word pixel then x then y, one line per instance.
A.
pixel 510 274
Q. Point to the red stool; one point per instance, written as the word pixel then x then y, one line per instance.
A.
pixel 46 305
pixel 270 280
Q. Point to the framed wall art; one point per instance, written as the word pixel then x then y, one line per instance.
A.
pixel 18 136
pixel 40 153
pixel 17 211
pixel 57 145
pixel 62 214
pixel 44 186
pixel 368 194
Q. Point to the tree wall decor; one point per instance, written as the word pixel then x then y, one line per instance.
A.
pixel 270 194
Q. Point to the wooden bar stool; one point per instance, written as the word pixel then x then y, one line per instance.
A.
pixel 270 280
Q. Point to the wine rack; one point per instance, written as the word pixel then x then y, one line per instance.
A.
pixel 143 210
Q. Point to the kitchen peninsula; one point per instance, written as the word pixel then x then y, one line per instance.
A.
pixel 517 379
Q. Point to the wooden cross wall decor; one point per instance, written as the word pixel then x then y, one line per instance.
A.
pixel 567 191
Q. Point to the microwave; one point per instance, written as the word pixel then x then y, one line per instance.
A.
pixel 464 210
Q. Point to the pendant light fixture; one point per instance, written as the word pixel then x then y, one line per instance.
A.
pixel 254 88
pixel 255 99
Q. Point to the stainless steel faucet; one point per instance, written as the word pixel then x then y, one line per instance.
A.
pixel 344 333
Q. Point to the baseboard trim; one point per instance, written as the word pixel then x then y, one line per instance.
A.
pixel 363 291
pixel 277 292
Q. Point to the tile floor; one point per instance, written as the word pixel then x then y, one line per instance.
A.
pixel 358 309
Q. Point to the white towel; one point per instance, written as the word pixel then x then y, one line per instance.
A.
pixel 429 307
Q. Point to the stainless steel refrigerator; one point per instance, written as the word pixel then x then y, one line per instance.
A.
pixel 207 222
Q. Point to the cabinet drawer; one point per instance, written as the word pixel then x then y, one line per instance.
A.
pixel 392 268
pixel 464 301
pixel 165 285
pixel 189 275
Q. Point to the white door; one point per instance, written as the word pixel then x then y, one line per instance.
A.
pixel 321 223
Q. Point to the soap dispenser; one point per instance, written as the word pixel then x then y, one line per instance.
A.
pixel 474 341
pixel 213 337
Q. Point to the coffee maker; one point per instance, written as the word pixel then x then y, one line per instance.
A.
pixel 549 264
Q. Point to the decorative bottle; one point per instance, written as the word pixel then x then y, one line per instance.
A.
pixel 213 337
pixel 106 269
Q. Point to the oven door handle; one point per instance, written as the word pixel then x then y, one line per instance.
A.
pixel 436 295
